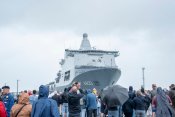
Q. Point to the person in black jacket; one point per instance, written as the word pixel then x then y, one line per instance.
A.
pixel 112 106
pixel 57 98
pixel 64 97
pixel 128 107
pixel 74 102
pixel 131 92
pixel 139 105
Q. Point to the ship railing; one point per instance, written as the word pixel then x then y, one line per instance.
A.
pixel 91 66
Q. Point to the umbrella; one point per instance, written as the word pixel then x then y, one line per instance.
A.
pixel 115 95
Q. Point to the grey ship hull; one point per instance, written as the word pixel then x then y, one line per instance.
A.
pixel 97 78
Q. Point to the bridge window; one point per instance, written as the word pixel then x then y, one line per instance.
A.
pixel 67 76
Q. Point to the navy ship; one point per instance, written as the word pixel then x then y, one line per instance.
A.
pixel 91 67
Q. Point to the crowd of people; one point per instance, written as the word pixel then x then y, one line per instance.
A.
pixel 155 103
pixel 75 102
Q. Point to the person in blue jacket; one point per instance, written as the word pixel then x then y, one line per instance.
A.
pixel 8 99
pixel 91 104
pixel 44 107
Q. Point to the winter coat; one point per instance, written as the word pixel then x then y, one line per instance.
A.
pixel 128 106
pixel 44 107
pixel 8 100
pixel 2 110
pixel 139 103
pixel 110 102
pixel 147 101
pixel 91 101
pixel 83 101
pixel 162 104
pixel 172 96
pixel 74 102
pixel 64 97
pixel 26 110
pixel 57 98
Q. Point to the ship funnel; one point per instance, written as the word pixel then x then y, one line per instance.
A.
pixel 85 44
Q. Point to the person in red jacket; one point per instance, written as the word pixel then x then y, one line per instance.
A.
pixel 2 109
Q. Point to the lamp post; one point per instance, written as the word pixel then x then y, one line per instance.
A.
pixel 143 69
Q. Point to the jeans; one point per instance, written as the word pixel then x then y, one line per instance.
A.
pixel 74 115
pixel 83 113
pixel 98 111
pixel 133 115
pixel 65 112
pixel 113 113
pixel 140 113
pixel 92 113
pixel 120 113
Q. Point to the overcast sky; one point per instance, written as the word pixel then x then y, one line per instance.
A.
pixel 34 34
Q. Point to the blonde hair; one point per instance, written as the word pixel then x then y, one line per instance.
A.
pixel 139 93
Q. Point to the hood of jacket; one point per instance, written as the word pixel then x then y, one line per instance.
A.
pixel 23 99
pixel 43 92
pixel 89 91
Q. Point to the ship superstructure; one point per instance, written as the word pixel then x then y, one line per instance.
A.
pixel 93 68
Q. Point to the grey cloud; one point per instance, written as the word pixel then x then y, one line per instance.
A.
pixel 143 32
pixel 91 16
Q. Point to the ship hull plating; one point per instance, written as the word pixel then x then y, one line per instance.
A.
pixel 99 78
